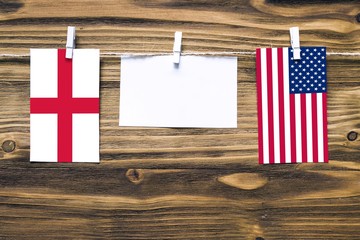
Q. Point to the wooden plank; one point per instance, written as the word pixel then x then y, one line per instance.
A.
pixel 179 183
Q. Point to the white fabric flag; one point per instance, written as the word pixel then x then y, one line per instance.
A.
pixel 201 92
pixel 64 106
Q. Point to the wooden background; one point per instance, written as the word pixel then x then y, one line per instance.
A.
pixel 179 183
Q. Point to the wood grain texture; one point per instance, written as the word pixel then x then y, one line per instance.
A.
pixel 166 183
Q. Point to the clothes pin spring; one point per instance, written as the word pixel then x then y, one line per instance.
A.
pixel 177 47
pixel 70 42
pixel 295 42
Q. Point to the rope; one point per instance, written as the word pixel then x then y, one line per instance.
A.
pixel 128 54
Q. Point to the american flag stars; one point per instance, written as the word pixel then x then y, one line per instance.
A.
pixel 308 75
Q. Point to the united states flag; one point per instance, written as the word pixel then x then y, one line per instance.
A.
pixel 291 95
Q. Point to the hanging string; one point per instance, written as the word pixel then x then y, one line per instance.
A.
pixel 125 54
pixel 148 54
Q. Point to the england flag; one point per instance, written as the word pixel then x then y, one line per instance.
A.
pixel 64 106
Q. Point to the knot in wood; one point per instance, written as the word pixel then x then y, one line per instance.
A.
pixel 135 176
pixel 352 136
pixel 358 18
pixel 8 146
pixel 259 238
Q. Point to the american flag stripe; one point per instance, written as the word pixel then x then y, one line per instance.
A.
pixel 315 128
pixel 275 88
pixel 292 127
pixel 270 103
pixel 288 128
pixel 260 103
pixel 324 129
pixel 281 105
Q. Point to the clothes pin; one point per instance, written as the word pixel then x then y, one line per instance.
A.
pixel 70 42
pixel 177 47
pixel 295 42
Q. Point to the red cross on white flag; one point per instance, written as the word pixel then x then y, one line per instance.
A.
pixel 64 106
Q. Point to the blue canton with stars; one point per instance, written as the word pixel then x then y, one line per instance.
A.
pixel 308 75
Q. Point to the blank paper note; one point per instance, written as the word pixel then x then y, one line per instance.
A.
pixel 200 92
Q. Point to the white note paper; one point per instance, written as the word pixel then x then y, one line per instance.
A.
pixel 200 92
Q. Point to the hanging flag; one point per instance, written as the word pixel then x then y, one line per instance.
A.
pixel 291 96
pixel 64 106
pixel 201 91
